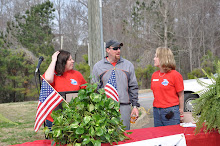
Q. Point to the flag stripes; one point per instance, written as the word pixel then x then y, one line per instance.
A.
pixel 111 93
pixel 48 101
pixel 111 87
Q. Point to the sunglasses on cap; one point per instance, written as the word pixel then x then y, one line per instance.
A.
pixel 116 48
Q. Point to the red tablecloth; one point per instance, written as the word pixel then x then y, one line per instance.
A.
pixel 201 139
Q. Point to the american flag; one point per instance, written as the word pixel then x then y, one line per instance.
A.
pixel 48 100
pixel 111 87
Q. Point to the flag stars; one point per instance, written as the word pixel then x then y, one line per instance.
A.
pixel 45 91
pixel 112 80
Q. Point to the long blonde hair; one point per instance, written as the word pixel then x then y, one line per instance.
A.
pixel 166 59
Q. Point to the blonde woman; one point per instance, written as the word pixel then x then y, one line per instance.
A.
pixel 167 86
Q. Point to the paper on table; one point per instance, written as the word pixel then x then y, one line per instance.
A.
pixel 171 140
pixel 188 124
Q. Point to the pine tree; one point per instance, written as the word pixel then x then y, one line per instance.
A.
pixel 32 30
pixel 16 75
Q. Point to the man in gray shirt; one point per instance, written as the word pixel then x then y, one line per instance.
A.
pixel 119 73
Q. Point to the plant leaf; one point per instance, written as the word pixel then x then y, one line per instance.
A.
pixel 107 136
pixel 99 131
pixel 95 97
pixel 91 131
pixel 86 119
pixel 111 103
pixel 46 130
pixel 77 144
pixel 101 91
pixel 74 124
pixel 96 143
pixel 110 131
pixel 82 93
pixel 80 106
pixel 80 130
pixel 57 132
pixel 86 140
pixel 60 120
pixel 91 107
pixel 128 133
pixel 114 120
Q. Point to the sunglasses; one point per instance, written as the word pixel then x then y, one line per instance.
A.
pixel 116 48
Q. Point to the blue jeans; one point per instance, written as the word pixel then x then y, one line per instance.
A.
pixel 49 124
pixel 161 120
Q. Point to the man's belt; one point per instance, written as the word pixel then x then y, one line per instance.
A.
pixel 125 103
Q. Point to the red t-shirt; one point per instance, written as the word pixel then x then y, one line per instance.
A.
pixel 165 88
pixel 69 81
pixel 114 63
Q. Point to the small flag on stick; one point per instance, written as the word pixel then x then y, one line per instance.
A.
pixel 49 99
pixel 111 87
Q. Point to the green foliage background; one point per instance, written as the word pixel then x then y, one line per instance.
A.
pixel 32 30
pixel 143 76
pixel 16 76
pixel 84 68
pixel 30 35
pixel 209 64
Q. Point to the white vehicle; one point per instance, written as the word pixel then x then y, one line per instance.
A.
pixel 190 87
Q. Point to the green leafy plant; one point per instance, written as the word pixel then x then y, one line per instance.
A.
pixel 206 108
pixel 89 119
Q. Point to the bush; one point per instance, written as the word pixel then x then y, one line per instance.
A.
pixel 89 119
pixel 143 76
pixel 208 64
pixel 195 73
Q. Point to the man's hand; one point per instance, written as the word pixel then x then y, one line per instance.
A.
pixel 135 112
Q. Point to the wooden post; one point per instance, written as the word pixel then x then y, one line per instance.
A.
pixel 95 44
pixel 61 42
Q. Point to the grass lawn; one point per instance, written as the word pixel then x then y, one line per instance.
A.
pixel 22 113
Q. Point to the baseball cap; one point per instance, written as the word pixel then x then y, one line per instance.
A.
pixel 113 43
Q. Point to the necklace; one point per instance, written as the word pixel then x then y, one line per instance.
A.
pixel 161 75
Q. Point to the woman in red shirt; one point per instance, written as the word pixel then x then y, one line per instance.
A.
pixel 167 87
pixel 61 76
pixel 60 73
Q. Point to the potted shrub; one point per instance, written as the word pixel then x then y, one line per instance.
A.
pixel 89 119
pixel 206 108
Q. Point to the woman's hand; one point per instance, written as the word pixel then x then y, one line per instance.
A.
pixel 181 115
pixel 54 56
pixel 181 111
pixel 49 74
